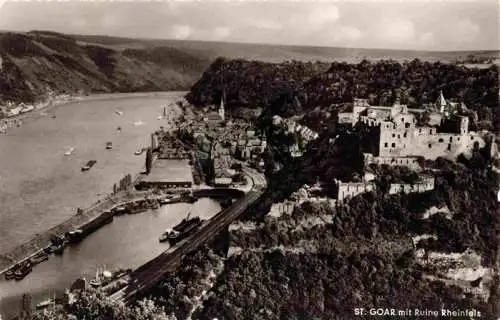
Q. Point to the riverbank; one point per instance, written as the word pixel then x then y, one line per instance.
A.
pixel 41 241
pixel 41 109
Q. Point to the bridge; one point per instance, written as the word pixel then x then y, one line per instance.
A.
pixel 146 276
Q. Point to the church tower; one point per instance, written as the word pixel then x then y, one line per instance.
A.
pixel 441 102
pixel 221 109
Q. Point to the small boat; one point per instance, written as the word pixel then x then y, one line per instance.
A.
pixel 165 235
pixel 10 273
pixel 109 145
pixel 119 129
pixel 69 151
pixel 46 303
pixel 54 116
pixel 57 248
pixel 138 152
pixel 23 270
pixel 74 236
pixel 160 117
pixel 41 257
pixel 89 165
pixel 118 112
pixel 138 123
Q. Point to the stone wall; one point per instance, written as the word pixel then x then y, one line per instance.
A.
pixel 351 189
pixel 410 162
pixel 424 185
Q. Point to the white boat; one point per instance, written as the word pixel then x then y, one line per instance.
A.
pixel 138 123
pixel 160 117
pixel 138 152
pixel 46 303
pixel 69 151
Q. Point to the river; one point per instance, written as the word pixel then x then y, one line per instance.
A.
pixel 40 187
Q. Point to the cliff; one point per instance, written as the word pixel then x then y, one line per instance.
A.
pixel 35 63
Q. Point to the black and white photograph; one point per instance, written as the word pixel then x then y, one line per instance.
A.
pixel 249 160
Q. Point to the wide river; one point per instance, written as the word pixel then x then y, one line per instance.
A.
pixel 41 187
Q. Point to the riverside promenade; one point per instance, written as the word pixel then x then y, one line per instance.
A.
pixel 41 241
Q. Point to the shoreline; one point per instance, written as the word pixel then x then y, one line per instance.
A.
pixel 41 240
pixel 36 113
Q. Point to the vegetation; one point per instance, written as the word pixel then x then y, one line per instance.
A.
pixel 35 63
pixel 289 88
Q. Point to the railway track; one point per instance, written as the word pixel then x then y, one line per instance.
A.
pixel 146 276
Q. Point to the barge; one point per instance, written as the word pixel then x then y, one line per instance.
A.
pixel 89 165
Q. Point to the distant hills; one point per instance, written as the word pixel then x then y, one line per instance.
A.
pixel 34 62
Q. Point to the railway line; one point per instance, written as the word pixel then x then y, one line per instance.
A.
pixel 146 276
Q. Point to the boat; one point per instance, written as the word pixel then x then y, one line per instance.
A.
pixel 57 248
pixel 41 257
pixel 160 117
pixel 69 151
pixel 10 273
pixel 183 229
pixel 23 270
pixel 138 123
pixel 119 129
pixel 118 112
pixel 138 152
pixel 46 303
pixel 74 236
pixel 109 145
pixel 89 165
pixel 165 236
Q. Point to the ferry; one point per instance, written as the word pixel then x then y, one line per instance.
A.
pixel 89 165
pixel 69 151
pixel 109 145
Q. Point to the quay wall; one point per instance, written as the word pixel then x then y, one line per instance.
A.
pixel 42 240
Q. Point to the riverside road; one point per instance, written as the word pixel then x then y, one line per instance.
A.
pixel 144 278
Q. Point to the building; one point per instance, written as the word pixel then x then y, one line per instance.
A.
pixel 347 190
pixel 218 117
pixel 426 184
pixel 398 140
pixel 166 173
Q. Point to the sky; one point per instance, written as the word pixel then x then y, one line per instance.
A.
pixel 446 25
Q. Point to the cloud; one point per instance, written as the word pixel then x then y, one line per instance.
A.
pixel 426 40
pixel 109 21
pixel 220 33
pixel 265 24
pixel 181 32
pixel 322 15
pixel 396 31
pixel 347 35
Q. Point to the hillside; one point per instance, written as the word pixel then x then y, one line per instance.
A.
pixel 34 62
pixel 289 87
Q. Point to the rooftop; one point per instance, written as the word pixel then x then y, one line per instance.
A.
pixel 167 170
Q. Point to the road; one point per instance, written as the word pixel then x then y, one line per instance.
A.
pixel 146 276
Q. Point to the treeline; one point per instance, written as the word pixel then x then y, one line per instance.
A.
pixel 277 285
pixel 291 87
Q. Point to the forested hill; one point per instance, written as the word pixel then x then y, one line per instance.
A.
pixel 33 62
pixel 292 86
pixel 254 83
